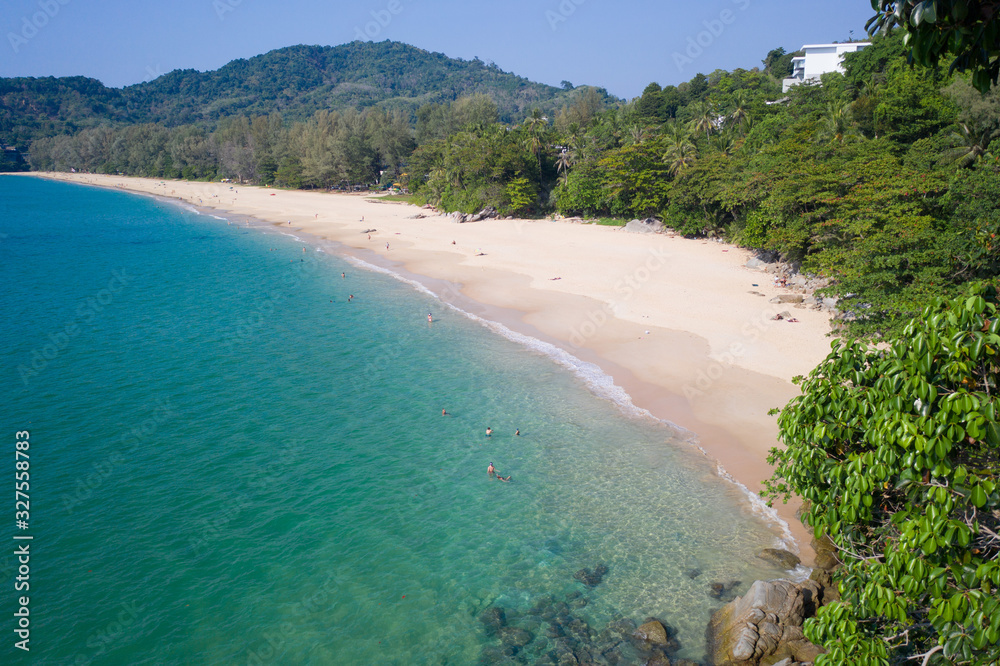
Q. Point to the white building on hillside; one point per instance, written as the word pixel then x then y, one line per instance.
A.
pixel 819 59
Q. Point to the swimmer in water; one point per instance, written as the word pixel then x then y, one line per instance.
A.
pixel 517 433
pixel 430 319
pixel 491 470
pixel 489 432
pixel 505 480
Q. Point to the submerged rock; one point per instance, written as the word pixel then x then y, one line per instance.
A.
pixel 494 618
pixel 781 557
pixel 591 578
pixel 724 591
pixel 514 636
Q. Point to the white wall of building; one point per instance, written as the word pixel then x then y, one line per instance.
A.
pixel 820 59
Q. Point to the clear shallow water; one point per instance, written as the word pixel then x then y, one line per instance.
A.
pixel 229 468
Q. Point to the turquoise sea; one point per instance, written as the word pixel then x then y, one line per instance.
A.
pixel 232 464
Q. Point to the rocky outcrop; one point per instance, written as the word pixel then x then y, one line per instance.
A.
pixel 798 284
pixel 487 213
pixel 764 626
pixel 648 226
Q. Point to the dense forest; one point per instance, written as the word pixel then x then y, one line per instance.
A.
pixel 296 82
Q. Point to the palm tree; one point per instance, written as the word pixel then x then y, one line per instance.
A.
pixel 703 117
pixel 741 112
pixel 722 142
pixel 536 126
pixel 837 123
pixel 969 148
pixel 563 163
pixel 637 134
pixel 681 151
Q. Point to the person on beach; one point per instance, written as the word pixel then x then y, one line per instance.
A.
pixel 491 470
pixel 387 246
pixel 489 431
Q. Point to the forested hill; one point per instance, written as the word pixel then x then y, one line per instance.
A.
pixel 295 81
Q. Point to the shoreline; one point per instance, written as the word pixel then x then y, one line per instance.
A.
pixel 670 320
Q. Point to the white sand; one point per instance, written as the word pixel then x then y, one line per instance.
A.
pixel 671 319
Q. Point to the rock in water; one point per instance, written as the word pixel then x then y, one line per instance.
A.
pixel 591 578
pixel 494 619
pixel 765 625
pixel 652 632
pixel 724 591
pixel 515 637
pixel 781 557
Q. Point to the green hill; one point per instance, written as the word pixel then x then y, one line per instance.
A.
pixel 295 81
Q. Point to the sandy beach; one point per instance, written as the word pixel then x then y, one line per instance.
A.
pixel 671 320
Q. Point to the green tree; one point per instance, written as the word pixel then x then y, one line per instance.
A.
pixel 651 104
pixel 968 30
pixel 837 123
pixel 896 450
pixel 778 63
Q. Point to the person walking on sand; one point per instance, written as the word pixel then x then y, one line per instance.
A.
pixel 491 470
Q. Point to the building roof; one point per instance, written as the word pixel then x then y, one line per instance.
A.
pixel 826 46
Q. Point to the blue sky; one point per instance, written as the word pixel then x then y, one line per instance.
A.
pixel 621 45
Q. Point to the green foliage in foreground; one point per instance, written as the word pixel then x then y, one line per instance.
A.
pixel 896 451
pixel 967 30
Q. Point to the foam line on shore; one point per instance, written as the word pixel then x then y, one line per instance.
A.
pixel 603 386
